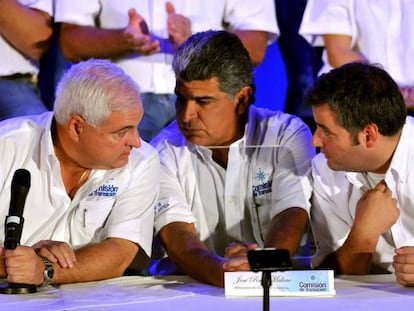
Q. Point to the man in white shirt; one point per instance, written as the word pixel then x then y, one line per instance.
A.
pixel 234 176
pixel 376 31
pixel 25 36
pixel 141 37
pixel 363 203
pixel 94 183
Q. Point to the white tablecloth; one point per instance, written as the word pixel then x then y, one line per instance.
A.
pixel 379 292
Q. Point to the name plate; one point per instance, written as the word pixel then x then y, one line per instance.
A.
pixel 284 283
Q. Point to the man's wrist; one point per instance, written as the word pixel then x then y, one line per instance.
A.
pixel 48 272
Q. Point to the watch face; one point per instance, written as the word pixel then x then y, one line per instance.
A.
pixel 49 272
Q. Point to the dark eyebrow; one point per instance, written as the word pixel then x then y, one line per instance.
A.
pixel 196 98
pixel 323 127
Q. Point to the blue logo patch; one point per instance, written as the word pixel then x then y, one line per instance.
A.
pixel 105 191
pixel 265 185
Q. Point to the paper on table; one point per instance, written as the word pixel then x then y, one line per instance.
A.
pixel 118 291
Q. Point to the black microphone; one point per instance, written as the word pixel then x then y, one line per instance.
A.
pixel 14 221
pixel 14 225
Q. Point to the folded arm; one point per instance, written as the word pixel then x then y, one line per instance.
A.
pixel 375 213
pixel 99 261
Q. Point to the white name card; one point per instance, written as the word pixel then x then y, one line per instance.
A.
pixel 284 283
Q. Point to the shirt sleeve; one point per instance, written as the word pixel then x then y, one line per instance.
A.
pixel 172 205
pixel 330 215
pixel 291 180
pixel 243 15
pixel 41 5
pixel 77 12
pixel 326 17
pixel 132 216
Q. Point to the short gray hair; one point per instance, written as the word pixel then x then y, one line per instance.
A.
pixel 215 54
pixel 93 89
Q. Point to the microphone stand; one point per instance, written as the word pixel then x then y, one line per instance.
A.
pixel 266 284
pixel 17 288
pixel 268 260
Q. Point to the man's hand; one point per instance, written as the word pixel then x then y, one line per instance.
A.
pixel 375 213
pixel 236 250
pixel 236 264
pixel 23 265
pixel 138 35
pixel 57 252
pixel 403 263
pixel 236 256
pixel 179 26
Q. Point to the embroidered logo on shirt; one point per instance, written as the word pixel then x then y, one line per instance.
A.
pixel 265 185
pixel 159 207
pixel 105 191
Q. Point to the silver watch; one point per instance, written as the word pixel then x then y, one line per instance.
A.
pixel 48 273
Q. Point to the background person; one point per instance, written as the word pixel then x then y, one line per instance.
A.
pixel 141 37
pixel 25 35
pixel 378 32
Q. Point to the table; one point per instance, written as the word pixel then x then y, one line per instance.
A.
pixel 373 292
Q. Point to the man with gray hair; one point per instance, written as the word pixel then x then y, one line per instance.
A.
pixel 233 176
pixel 94 182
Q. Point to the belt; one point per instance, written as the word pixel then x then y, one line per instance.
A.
pixel 21 76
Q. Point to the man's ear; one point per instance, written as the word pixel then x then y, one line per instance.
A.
pixel 243 99
pixel 371 134
pixel 76 125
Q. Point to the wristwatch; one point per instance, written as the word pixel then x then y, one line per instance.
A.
pixel 48 273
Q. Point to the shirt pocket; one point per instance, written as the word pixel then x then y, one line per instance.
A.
pixel 89 219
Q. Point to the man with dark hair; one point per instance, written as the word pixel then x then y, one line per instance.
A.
pixel 363 201
pixel 234 176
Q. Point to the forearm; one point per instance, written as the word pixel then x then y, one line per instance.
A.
pixel 191 255
pixel 256 44
pixel 83 42
pixel 2 267
pixel 339 51
pixel 354 257
pixel 104 260
pixel 201 264
pixel 28 30
pixel 287 228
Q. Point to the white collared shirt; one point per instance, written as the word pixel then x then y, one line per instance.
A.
pixel 154 73
pixel 273 173
pixel 112 203
pixel 336 194
pixel 380 29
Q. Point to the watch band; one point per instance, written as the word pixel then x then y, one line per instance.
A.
pixel 48 272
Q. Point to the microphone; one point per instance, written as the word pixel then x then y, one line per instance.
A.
pixel 14 225
pixel 14 221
